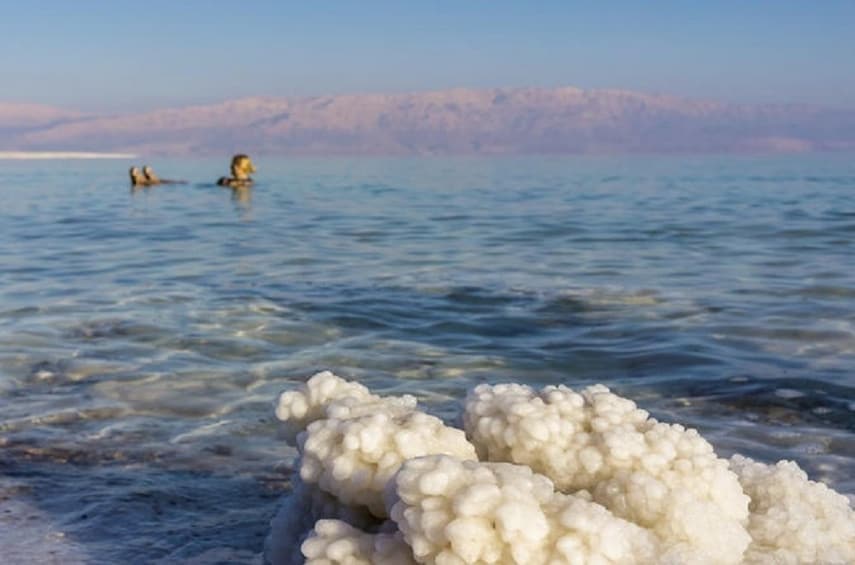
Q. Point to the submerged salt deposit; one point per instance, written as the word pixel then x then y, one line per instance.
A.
pixel 550 476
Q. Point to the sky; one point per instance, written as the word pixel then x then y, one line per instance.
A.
pixel 120 55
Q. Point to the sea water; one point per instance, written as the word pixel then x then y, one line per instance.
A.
pixel 145 334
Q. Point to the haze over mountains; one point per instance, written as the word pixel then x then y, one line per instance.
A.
pixel 460 121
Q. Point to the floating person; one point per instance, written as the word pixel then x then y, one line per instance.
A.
pixel 241 168
pixel 137 177
pixel 152 179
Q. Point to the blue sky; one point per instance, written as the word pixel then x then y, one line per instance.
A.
pixel 119 55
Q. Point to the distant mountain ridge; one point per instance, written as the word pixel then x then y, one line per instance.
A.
pixel 563 120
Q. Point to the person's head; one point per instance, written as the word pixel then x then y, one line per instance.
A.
pixel 242 166
pixel 148 172
pixel 136 176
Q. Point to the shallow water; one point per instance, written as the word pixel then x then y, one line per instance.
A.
pixel 144 335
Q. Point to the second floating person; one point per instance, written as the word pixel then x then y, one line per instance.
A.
pixel 240 169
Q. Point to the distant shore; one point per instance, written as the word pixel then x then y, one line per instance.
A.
pixel 62 155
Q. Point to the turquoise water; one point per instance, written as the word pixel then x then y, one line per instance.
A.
pixel 144 335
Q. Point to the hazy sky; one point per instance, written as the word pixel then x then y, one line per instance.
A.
pixel 119 55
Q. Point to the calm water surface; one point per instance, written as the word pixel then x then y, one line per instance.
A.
pixel 145 335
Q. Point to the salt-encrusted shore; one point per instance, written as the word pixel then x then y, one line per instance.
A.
pixel 549 476
pixel 33 155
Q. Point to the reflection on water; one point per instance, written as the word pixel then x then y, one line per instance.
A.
pixel 144 339
pixel 242 194
pixel 242 199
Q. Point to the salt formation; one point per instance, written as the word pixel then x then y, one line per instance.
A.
pixel 301 407
pixel 299 512
pixel 334 541
pixel 793 519
pixel 661 476
pixel 357 440
pixel 453 511
pixel 564 477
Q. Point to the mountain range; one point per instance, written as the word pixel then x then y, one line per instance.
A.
pixel 563 120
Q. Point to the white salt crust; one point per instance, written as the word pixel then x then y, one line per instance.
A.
pixel 661 476
pixel 453 511
pixel 594 481
pixel 309 402
pixel 362 439
pixel 334 541
pixel 299 512
pixel 793 519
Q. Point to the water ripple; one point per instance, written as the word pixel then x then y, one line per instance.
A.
pixel 145 335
